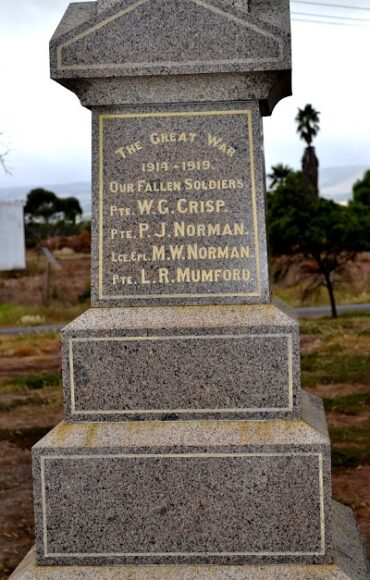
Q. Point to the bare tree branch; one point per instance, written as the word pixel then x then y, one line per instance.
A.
pixel 3 155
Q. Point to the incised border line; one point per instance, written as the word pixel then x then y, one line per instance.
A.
pixel 47 554
pixel 169 338
pixel 127 65
pixel 102 119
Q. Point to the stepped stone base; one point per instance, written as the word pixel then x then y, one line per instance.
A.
pixel 350 563
pixel 171 363
pixel 196 492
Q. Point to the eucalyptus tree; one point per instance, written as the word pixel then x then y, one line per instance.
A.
pixel 326 233
pixel 361 191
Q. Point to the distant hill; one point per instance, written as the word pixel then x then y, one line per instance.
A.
pixel 80 189
pixel 335 183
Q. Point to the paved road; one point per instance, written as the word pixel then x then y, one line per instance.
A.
pixel 31 329
pixel 326 310
pixel 309 311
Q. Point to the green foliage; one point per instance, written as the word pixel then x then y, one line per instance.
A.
pixel 85 296
pixel 12 315
pixel 351 446
pixel 44 205
pixel 299 222
pixel 36 232
pixel 288 214
pixel 279 174
pixel 36 381
pixel 41 203
pixel 349 405
pixel 326 232
pixel 361 191
pixel 334 368
pixel 349 458
pixel 70 207
pixel 9 405
pixel 24 438
pixel 308 121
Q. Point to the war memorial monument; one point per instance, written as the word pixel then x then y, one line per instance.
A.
pixel 188 450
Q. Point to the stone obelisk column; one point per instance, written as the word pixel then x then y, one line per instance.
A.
pixel 187 450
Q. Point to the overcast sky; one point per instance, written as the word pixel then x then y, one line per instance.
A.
pixel 49 132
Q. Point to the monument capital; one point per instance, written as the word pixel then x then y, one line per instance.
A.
pixel 114 39
pixel 104 5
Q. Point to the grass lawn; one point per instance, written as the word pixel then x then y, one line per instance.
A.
pixel 16 315
pixel 345 295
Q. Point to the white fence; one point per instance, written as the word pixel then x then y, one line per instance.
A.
pixel 12 243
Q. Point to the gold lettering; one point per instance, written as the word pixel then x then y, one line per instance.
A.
pixel 164 138
pixel 158 253
pixel 162 231
pixel 208 206
pixel 196 252
pixel 122 280
pixel 120 211
pixel 143 278
pixel 163 276
pixel 143 230
pixel 116 187
pixel 120 234
pixel 145 206
pixel 158 186
pixel 212 184
pixel 220 145
pixel 182 230
pixel 128 150
pixel 194 276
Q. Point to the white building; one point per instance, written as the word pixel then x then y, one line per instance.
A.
pixel 12 242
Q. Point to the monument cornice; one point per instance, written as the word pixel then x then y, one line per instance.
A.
pixel 199 37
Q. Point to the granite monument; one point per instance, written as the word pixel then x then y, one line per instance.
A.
pixel 188 450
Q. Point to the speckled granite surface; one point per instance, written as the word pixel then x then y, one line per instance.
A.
pixel 181 37
pixel 222 492
pixel 181 220
pixel 350 563
pixel 311 429
pixel 181 363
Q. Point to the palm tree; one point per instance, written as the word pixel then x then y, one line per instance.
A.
pixel 308 120
pixel 278 174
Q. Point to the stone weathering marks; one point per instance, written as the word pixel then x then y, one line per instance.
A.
pixel 169 492
pixel 235 467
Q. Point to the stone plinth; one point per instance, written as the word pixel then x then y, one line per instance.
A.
pixel 350 563
pixel 181 363
pixel 222 492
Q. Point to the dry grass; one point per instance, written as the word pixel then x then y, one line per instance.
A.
pixel 27 288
